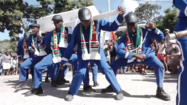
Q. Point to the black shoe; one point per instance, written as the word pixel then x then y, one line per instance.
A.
pixel 88 89
pixel 64 81
pixel 119 96
pixel 107 89
pixel 53 84
pixel 162 94
pixel 37 91
pixel 95 84
pixel 68 97
pixel 60 83
pixel 47 80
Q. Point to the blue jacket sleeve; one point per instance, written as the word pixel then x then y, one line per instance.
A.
pixel 120 49
pixel 19 47
pixel 29 41
pixel 154 34
pixel 111 26
pixel 70 48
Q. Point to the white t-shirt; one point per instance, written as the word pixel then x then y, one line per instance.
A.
pixel 161 48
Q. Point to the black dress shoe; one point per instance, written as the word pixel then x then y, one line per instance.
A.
pixel 64 81
pixel 53 84
pixel 88 89
pixel 161 94
pixel 37 91
pixel 47 80
pixel 107 89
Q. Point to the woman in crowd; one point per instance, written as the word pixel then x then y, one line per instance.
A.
pixel 6 62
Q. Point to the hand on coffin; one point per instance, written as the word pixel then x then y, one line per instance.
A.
pixel 150 25
pixel 121 10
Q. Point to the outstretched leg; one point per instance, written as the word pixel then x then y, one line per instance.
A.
pixel 153 62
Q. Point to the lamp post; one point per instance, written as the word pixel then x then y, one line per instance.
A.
pixel 109 18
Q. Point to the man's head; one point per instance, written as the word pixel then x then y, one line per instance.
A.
pixel 35 28
pixel 85 16
pixel 58 21
pixel 131 21
pixel 166 32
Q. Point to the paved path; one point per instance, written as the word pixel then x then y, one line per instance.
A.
pixel 138 90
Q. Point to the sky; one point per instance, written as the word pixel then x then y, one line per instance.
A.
pixel 102 5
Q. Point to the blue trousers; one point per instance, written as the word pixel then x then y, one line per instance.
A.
pixel 46 62
pixel 73 61
pixel 81 73
pixel 151 61
pixel 182 84
pixel 94 73
pixel 28 63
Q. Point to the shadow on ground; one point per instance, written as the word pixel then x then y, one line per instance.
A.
pixel 169 78
pixel 60 92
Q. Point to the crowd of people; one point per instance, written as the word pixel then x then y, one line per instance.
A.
pixel 8 64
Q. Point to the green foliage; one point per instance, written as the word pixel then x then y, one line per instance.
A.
pixel 17 14
pixel 147 12
pixel 168 21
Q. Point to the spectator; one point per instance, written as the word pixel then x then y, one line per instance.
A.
pixel 6 64
pixel 161 54
pixel 112 50
pixel 1 67
pixel 15 65
pixel 174 56
pixel 107 54
pixel 11 63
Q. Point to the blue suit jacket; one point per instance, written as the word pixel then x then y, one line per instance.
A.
pixel 76 37
pixel 47 40
pixel 146 47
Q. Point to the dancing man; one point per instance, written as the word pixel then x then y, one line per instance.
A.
pixel 139 51
pixel 86 35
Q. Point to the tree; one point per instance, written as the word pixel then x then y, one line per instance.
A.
pixel 147 12
pixel 168 21
pixel 16 15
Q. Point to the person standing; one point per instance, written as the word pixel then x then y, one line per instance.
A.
pixel 161 54
pixel 6 64
pixel 1 67
pixel 181 25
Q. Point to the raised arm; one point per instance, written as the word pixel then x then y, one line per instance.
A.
pixel 153 32
pixel 113 26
